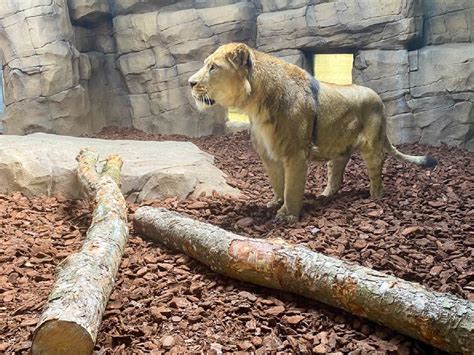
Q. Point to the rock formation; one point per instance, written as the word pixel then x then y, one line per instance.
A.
pixel 159 50
pixel 76 66
pixel 44 164
pixel 428 87
pixel 43 71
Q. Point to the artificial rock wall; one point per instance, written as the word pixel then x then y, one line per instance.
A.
pixel 428 86
pixel 74 67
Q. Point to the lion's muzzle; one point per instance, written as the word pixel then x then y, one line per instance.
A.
pixel 192 82
pixel 199 93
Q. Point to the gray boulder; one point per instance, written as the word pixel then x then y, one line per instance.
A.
pixel 43 164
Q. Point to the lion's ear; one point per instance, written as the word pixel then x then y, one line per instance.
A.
pixel 240 56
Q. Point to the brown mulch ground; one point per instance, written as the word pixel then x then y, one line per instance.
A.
pixel 422 231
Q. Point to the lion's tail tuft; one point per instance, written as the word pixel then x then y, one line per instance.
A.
pixel 424 161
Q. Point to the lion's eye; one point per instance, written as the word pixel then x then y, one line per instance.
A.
pixel 212 68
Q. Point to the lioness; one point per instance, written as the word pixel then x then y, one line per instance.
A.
pixel 294 118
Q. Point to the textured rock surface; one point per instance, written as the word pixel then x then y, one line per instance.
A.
pixel 88 11
pixel 43 89
pixel 158 53
pixel 387 72
pixel 428 93
pixel 43 164
pixel 2 104
pixel 442 93
pixel 50 85
pixel 98 39
pixel 338 24
pixel 125 7
pixel 296 57
pixel 448 21
pixel 110 102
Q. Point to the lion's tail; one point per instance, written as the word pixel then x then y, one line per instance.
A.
pixel 421 160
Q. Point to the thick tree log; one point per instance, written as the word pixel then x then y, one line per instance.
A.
pixel 442 320
pixel 84 280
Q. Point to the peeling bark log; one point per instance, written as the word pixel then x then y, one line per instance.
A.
pixel 84 281
pixel 442 320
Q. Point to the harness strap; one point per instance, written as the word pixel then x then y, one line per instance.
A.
pixel 314 133
pixel 314 86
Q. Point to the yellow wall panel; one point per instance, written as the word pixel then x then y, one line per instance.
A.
pixel 236 116
pixel 333 68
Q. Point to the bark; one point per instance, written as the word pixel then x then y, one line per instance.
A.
pixel 442 320
pixel 84 281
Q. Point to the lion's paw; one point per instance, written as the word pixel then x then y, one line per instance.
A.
pixel 275 203
pixel 285 218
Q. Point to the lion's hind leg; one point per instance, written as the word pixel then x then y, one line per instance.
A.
pixel 372 149
pixel 336 169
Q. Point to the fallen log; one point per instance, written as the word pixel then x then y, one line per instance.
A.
pixel 442 320
pixel 84 280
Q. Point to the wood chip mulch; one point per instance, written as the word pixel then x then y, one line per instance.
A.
pixel 422 231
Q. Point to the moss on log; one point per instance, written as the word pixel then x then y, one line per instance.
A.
pixel 442 320
pixel 84 281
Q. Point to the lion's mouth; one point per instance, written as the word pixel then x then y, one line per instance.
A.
pixel 206 100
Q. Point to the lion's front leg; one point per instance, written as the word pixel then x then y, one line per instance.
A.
pixel 295 179
pixel 276 175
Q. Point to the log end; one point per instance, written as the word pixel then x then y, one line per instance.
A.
pixel 61 337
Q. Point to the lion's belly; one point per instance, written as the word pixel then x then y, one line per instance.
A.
pixel 341 120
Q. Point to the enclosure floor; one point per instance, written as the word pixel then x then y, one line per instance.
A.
pixel 422 230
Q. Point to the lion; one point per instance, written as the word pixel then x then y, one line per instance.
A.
pixel 295 119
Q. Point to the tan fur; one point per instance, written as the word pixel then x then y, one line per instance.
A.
pixel 277 97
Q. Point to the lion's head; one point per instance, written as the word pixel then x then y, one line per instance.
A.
pixel 224 78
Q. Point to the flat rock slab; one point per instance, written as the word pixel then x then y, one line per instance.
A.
pixel 45 164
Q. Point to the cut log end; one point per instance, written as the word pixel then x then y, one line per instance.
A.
pixel 62 337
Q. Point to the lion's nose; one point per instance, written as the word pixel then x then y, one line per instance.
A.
pixel 192 82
